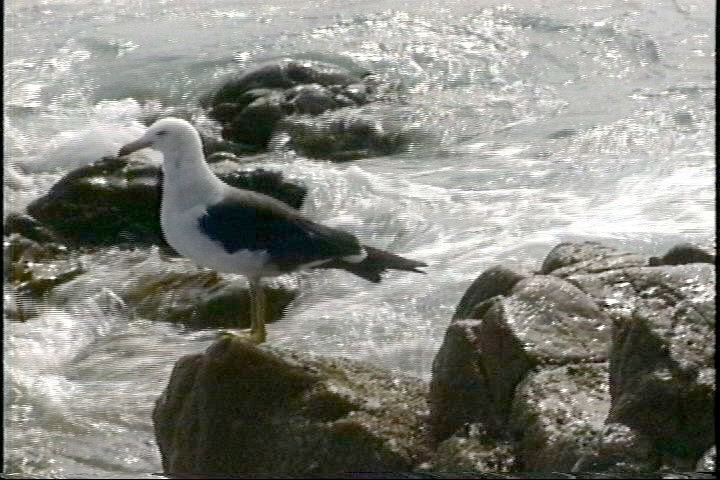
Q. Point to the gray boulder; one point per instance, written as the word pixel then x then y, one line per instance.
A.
pixel 473 451
pixel 238 409
pixel 662 368
pixel 544 320
pixel 588 257
pixel 620 449
pixel 608 363
pixel 497 280
pixel 558 414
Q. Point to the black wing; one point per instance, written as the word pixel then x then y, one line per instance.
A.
pixel 261 224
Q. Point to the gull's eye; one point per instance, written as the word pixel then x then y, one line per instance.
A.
pixel 161 133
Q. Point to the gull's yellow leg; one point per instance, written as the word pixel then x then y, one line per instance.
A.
pixel 257 297
pixel 257 314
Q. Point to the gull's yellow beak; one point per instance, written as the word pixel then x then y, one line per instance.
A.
pixel 134 146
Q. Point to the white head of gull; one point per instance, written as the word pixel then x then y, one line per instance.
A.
pixel 233 230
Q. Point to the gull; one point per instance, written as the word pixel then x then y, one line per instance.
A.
pixel 233 230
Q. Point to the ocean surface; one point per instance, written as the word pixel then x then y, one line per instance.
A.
pixel 539 122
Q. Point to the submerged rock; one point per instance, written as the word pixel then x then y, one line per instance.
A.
pixel 341 136
pixel 239 409
pixel 202 300
pixel 116 201
pixel 31 270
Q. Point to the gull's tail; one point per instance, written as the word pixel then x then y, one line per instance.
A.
pixel 375 263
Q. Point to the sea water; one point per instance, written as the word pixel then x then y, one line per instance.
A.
pixel 540 121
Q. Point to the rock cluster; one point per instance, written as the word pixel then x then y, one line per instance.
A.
pixel 596 363
pixel 312 106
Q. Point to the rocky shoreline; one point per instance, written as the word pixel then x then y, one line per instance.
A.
pixel 599 363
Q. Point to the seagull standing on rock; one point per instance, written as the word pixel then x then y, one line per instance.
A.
pixel 233 230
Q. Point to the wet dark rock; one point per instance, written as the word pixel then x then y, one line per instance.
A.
pixel 313 99
pixel 238 409
pixel 685 253
pixel 557 415
pixel 341 137
pixel 254 106
pixel 255 123
pixel 112 201
pixel 116 201
pixel 620 449
pixel 28 227
pixel 497 280
pixel 707 461
pixel 19 252
pixel 588 257
pixel 283 75
pixel 41 285
pixel 31 270
pixel 213 146
pixel 202 300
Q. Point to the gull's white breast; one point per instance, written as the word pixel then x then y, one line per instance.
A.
pixel 182 231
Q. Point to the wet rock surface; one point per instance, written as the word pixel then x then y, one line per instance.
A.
pixel 295 99
pixel 685 253
pixel 608 363
pixel 116 201
pixel 588 257
pixel 342 136
pixel 237 408
pixel 558 412
pixel 31 269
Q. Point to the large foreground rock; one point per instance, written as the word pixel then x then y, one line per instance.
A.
pixel 116 201
pixel 240 409
pixel 598 339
